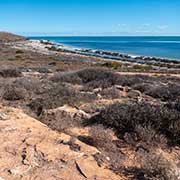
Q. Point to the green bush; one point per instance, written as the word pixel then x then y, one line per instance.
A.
pixel 110 64
pixel 143 67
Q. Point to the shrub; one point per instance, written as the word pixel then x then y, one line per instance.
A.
pixel 100 158
pixel 96 78
pixel 10 73
pixel 110 64
pixel 102 138
pixel 54 98
pixel 18 57
pixel 129 80
pixel 91 78
pixel 145 139
pixel 40 69
pixel 148 136
pixel 19 51
pixel 72 144
pixel 91 74
pixel 66 77
pixel 152 167
pixel 143 87
pixel 104 83
pixel 125 117
pixel 62 118
pixel 143 67
pixel 37 105
pixel 28 83
pixel 110 93
pixel 99 78
pixel 59 95
pixel 156 166
pixel 174 105
pixel 12 93
pixel 165 92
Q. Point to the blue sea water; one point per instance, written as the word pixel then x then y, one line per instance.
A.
pixel 166 47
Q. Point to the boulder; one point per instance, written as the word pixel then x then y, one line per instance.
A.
pixel 63 117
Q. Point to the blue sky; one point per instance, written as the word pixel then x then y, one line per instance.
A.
pixel 90 17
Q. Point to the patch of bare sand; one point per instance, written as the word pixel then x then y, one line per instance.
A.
pixel 149 74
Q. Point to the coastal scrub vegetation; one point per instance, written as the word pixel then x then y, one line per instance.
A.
pixel 126 117
pixel 110 64
pixel 99 78
pixel 132 120
pixel 117 119
pixel 152 167
pixel 10 72
pixel 165 91
pixel 59 95
pixel 13 93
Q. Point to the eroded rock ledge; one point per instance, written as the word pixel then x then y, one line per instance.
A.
pixel 30 150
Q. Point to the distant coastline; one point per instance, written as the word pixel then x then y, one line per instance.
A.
pixel 49 47
pixel 55 46
pixel 160 47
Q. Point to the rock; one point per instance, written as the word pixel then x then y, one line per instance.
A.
pixel 46 42
pixel 134 94
pixel 87 167
pixel 97 90
pixel 53 48
pixel 3 117
pixel 52 64
pixel 63 117
pixel 20 170
pixel 2 178
pixel 31 152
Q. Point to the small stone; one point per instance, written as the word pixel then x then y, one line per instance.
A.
pixel 3 116
pixel 2 178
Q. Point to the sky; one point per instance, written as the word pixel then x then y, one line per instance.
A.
pixel 90 17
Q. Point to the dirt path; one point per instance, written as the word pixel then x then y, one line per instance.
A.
pixel 149 74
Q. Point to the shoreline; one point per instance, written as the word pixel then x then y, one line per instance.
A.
pixel 49 47
pixel 108 54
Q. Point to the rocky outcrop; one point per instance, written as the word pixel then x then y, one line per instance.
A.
pixel 30 150
pixel 63 117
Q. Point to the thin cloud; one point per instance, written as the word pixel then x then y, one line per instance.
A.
pixel 143 31
pixel 162 27
pixel 122 25
pixel 146 25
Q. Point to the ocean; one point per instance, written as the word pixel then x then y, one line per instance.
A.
pixel 156 46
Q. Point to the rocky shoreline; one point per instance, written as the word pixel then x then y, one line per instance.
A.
pixel 52 48
pixel 107 54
